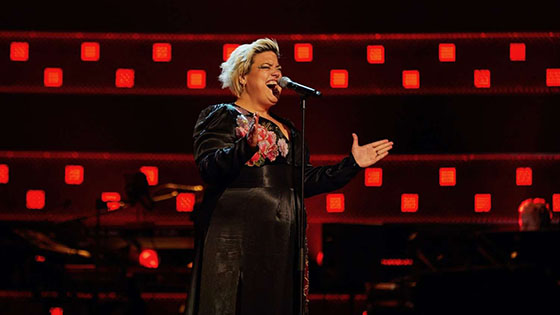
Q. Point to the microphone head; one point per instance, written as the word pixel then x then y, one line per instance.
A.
pixel 284 81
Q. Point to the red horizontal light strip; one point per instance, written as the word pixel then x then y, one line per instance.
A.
pixel 315 158
pixel 279 37
pixel 396 262
pixel 327 91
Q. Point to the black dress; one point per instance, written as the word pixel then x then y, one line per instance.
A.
pixel 245 261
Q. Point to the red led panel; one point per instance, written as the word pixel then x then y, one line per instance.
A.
pixel 56 311
pixel 517 52
pixel 52 77
pixel 161 52
pixel 90 51
pixel 151 173
pixel 447 176
pixel 524 176
pixel 19 51
pixel 447 52
pixel 335 203
pixel 124 78
pixel 110 196
pixel 196 79
pixel 113 205
pixel 40 258
pixel 556 202
pixel 319 258
pixel 35 199
pixel 148 258
pixel 409 202
pixel 376 54
pixel 411 79
pixel 553 77
pixel 184 202
pixel 482 202
pixel 339 79
pixel 74 174
pixel 303 52
pixel 373 177
pixel 227 50
pixel 4 174
pixel 482 78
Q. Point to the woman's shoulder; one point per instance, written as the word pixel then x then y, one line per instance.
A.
pixel 218 110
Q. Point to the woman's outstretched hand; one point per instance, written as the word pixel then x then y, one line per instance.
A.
pixel 368 154
pixel 253 135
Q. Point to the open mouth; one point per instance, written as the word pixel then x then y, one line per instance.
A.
pixel 273 86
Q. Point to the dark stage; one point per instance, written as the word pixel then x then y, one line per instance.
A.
pixel 98 181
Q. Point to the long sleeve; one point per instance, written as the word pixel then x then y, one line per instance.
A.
pixel 322 179
pixel 218 153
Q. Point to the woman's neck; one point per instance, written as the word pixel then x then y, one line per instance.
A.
pixel 252 107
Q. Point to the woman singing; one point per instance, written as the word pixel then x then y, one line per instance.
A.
pixel 246 256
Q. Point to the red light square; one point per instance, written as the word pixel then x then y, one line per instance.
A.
pixel 227 50
pixel 124 78
pixel 339 79
pixel 409 202
pixel 376 54
pixel 335 203
pixel 517 51
pixel 56 311
pixel 553 77
pixel 151 173
pixel 447 176
pixel 4 174
pixel 74 174
pixel 303 52
pixel 113 205
pixel 482 202
pixel 161 52
pixel 482 78
pixel 90 51
pixel 19 51
pixel 110 196
pixel 523 176
pixel 373 177
pixel 185 202
pixel 53 77
pixel 196 79
pixel 556 202
pixel 411 79
pixel 35 199
pixel 447 52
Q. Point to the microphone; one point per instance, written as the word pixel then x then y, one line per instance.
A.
pixel 286 82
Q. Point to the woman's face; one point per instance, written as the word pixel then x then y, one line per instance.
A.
pixel 261 83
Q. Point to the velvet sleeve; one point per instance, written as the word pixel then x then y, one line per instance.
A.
pixel 218 152
pixel 323 179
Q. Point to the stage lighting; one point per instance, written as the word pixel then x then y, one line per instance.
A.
pixel 151 173
pixel 35 199
pixel 411 79
pixel 4 174
pixel 335 203
pixel 339 79
pixel 376 54
pixel 148 258
pixel 303 52
pixel 373 177
pixel 74 174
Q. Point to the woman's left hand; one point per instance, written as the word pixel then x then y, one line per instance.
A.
pixel 368 154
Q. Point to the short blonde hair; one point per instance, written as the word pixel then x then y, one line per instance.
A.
pixel 240 61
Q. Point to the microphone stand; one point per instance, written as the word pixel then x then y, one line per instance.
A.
pixel 301 214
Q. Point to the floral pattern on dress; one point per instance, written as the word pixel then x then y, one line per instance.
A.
pixel 269 144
